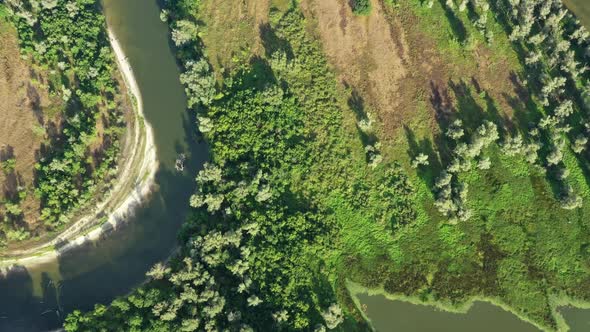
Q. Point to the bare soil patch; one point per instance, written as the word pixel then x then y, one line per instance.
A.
pixel 396 69
pixel 30 125
pixel 368 54
pixel 24 121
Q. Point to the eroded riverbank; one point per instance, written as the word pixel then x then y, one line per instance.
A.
pixel 38 297
pixel 134 183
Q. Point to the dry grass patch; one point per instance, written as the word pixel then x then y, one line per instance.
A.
pixel 27 120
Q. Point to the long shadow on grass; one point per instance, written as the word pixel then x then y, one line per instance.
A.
pixel 427 173
pixel 526 113
pixel 357 105
pixel 273 43
pixel 469 110
pixel 456 24
pixel 496 7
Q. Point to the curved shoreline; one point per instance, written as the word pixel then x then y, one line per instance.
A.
pixel 463 308
pixel 133 184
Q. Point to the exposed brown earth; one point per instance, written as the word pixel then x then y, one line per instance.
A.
pixel 25 104
pixel 30 122
pixel 393 65
pixel 367 53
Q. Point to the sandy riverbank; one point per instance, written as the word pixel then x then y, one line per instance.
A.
pixel 133 186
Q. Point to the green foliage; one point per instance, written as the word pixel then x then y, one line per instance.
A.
pixel 13 209
pixel 8 165
pixel 260 248
pixel 69 37
pixel 290 205
pixel 18 235
pixel 361 7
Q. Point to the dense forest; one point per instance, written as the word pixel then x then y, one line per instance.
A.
pixel 308 188
pixel 67 40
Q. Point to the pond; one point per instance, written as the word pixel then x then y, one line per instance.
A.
pixel 581 8
pixel 37 299
pixel 387 315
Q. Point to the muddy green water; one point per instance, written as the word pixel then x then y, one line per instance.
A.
pixel 37 299
pixel 581 8
pixel 388 316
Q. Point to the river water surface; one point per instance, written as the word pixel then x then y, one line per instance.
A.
pixel 37 299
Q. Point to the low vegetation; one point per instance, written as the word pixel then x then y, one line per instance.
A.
pixel 487 197
pixel 361 7
pixel 68 41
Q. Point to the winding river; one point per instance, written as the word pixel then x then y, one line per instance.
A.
pixel 38 298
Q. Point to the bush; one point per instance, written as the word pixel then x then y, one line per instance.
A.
pixel 360 7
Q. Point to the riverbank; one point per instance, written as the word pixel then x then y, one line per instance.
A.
pixel 133 185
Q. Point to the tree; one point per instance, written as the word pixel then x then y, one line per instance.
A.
pixel 333 316
pixel 361 7
pixel 8 165
pixel 199 83
pixel 555 156
pixel 580 144
pixel 184 32
pixel 571 200
pixel 420 159
pixel 254 300
pixel 455 130
pixel 158 271
pixel 484 163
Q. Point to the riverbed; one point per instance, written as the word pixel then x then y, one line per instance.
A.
pixel 39 297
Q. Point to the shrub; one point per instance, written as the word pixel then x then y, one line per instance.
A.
pixel 8 165
pixel 361 7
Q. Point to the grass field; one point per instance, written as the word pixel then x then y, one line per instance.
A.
pixel 519 247
pixel 334 107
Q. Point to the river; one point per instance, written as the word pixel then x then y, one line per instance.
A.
pixel 37 299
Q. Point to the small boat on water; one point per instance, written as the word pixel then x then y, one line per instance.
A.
pixel 180 162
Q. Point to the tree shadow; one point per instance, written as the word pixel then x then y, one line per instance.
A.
pixel 445 113
pixel 491 256
pixel 35 101
pixel 456 24
pixel 6 152
pixel 364 126
pixel 496 7
pixel 357 105
pixel 20 308
pixel 428 173
pixel 12 179
pixel 470 111
pixel 273 43
pixel 441 102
